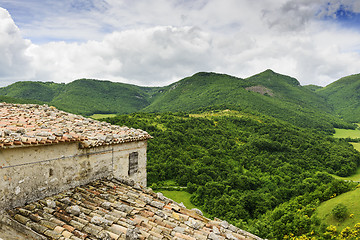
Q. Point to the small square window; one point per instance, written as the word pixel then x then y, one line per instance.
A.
pixel 133 163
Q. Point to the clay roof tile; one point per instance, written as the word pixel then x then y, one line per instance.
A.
pixel 20 121
pixel 109 208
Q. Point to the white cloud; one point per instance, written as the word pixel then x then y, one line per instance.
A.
pixel 159 42
pixel 291 15
pixel 155 55
pixel 14 63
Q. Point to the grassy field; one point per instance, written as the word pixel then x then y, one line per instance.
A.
pixel 99 116
pixel 350 200
pixel 356 145
pixel 347 133
pixel 181 196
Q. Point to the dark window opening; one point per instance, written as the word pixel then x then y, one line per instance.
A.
pixel 133 163
pixel 51 172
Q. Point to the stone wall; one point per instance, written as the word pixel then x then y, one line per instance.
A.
pixel 34 172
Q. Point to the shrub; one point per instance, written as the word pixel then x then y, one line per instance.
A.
pixel 340 212
pixel 191 188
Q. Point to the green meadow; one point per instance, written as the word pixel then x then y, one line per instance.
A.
pixel 100 116
pixel 182 197
pixel 347 133
pixel 179 196
pixel 356 146
pixel 350 200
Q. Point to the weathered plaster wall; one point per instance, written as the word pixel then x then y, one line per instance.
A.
pixel 31 173
pixel 121 161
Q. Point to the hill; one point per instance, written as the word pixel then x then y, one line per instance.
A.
pixel 344 96
pixel 313 87
pixel 41 91
pixel 87 97
pixel 252 170
pixel 83 96
pixel 268 93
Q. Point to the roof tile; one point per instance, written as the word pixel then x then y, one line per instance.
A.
pixel 109 217
pixel 48 224
pixel 31 124
pixel 52 235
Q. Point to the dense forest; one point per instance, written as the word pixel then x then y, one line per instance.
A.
pixel 259 173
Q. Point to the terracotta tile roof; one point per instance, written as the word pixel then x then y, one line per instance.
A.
pixel 31 124
pixel 109 209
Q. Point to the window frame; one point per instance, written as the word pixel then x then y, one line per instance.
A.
pixel 133 163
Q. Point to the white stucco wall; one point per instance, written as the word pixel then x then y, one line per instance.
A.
pixel 34 172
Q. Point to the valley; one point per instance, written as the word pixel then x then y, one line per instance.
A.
pixel 246 168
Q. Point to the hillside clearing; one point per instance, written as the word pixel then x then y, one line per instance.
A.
pixel 179 196
pixel 350 200
pixel 218 113
pixel 356 146
pixel 100 116
pixel 182 197
pixel 347 133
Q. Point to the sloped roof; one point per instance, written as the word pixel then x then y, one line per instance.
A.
pixel 110 209
pixel 31 124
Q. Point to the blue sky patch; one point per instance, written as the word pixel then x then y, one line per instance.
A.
pixel 344 15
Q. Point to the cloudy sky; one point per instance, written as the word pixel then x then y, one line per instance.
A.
pixel 157 42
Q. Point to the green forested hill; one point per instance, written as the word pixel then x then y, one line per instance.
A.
pixel 344 96
pixel 87 97
pixel 255 171
pixel 19 100
pixel 41 91
pixel 313 87
pixel 268 93
pixel 206 89
pixel 83 96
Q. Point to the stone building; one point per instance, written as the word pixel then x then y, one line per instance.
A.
pixel 65 177
pixel 44 151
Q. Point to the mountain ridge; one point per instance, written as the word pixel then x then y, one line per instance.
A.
pixel 268 92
